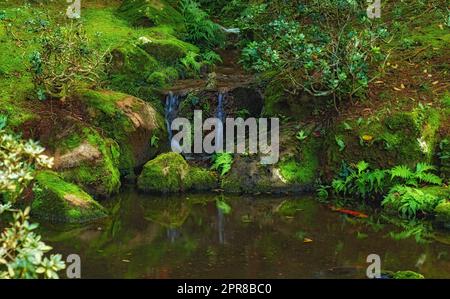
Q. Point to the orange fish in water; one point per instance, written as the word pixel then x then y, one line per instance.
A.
pixel 349 212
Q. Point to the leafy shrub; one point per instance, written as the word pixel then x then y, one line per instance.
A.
pixel 322 47
pixel 66 61
pixel 22 253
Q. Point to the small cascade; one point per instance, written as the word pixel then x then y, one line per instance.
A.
pixel 220 115
pixel 171 109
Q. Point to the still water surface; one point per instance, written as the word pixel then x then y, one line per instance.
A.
pixel 189 236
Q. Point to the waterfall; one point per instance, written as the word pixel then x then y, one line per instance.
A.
pixel 171 109
pixel 220 115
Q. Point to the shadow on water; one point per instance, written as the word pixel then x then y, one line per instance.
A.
pixel 192 236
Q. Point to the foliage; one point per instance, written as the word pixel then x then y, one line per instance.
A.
pixel 22 253
pixel 154 141
pixel 398 186
pixel 222 162
pixel 321 47
pixel 409 201
pixel 18 162
pixel 301 135
pixel 211 58
pixel 66 61
pixel 200 29
pixel 363 182
pixel 191 63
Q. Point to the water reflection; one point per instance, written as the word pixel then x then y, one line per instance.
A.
pixel 184 237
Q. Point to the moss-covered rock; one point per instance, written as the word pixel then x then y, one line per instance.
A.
pixel 296 171
pixel 167 49
pixel 151 13
pixel 59 201
pixel 166 173
pixel 89 160
pixel 130 65
pixel 170 173
pixel 404 138
pixel 442 213
pixel 201 179
pixel 129 121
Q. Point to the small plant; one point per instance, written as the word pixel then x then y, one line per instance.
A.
pixel 340 143
pixel 154 141
pixel 222 162
pixel 65 61
pixel 191 64
pixel 211 58
pixel 301 135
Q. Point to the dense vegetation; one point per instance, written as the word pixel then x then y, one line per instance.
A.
pixel 364 106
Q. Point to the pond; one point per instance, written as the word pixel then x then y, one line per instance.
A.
pixel 192 236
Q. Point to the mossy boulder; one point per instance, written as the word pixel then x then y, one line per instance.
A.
pixel 61 202
pixel 151 13
pixel 167 49
pixel 442 210
pixel 84 157
pixel 129 67
pixel 129 121
pixel 170 173
pixel 200 179
pixel 296 171
pixel 401 138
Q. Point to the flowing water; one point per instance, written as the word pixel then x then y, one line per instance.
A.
pixel 170 110
pixel 220 115
pixel 188 236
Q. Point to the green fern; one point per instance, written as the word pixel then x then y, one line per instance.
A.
pixel 222 162
pixel 401 171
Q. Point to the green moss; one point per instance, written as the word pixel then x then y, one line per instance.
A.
pixel 106 114
pixel 407 275
pixel 302 169
pixel 59 201
pixel 168 49
pixel 151 13
pixel 201 179
pixel 164 174
pixel 101 178
pixel 162 78
pixel 403 138
pixel 442 212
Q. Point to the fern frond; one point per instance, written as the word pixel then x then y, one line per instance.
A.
pixel 401 171
pixel 424 167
